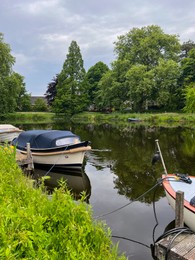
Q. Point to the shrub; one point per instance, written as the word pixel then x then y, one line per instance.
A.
pixel 35 226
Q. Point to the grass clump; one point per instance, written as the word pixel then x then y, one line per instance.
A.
pixel 30 117
pixel 34 226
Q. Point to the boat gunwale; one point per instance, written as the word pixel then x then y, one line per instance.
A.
pixel 73 150
pixel 168 188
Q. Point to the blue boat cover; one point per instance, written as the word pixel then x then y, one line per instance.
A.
pixel 41 139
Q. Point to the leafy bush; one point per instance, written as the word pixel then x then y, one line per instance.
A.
pixel 35 226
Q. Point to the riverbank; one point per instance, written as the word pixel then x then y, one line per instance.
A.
pixel 155 119
pixel 29 118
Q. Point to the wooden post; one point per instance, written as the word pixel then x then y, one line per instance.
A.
pixel 30 166
pixel 179 209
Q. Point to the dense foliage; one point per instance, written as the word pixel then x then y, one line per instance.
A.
pixel 40 105
pixel 13 95
pixel 35 226
pixel 51 90
pixel 93 77
pixel 152 71
pixel 145 73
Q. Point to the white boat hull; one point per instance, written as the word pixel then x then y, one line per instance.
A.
pixel 71 158
pixel 8 133
pixel 170 190
pixel 8 136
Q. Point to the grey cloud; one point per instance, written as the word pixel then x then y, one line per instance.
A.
pixel 40 31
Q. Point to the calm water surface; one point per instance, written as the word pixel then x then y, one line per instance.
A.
pixel 118 170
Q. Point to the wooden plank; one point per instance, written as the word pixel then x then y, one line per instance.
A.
pixel 181 248
pixel 185 245
pixel 191 254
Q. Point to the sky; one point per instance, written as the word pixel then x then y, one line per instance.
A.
pixel 40 32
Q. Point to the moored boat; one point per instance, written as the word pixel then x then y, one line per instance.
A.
pixel 53 148
pixel 179 182
pixel 132 119
pixel 175 182
pixel 8 132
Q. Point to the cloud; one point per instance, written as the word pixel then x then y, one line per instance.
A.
pixel 40 31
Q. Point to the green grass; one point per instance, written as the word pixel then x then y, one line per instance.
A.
pixel 35 226
pixel 156 119
pixel 30 117
pixel 152 119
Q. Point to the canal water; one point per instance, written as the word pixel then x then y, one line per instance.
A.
pixel 118 171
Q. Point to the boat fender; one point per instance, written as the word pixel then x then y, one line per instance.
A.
pixel 192 202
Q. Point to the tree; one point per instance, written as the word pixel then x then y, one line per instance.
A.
pixel 189 94
pixel 188 68
pixel 11 83
pixel 105 94
pixel 51 91
pixel 185 48
pixel 71 94
pixel 146 46
pixel 6 59
pixel 93 77
pixel 135 78
pixel 141 84
pixel 40 105
pixel 24 101
pixel 167 92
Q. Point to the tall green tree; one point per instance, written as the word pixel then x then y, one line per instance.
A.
pixel 12 87
pixel 141 85
pixel 93 77
pixel 189 94
pixel 71 96
pixel 167 93
pixel 113 88
pixel 147 45
pixel 140 55
pixel 105 98
pixel 188 68
pixel 6 61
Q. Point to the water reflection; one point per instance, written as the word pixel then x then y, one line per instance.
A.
pixel 76 179
pixel 120 170
pixel 128 152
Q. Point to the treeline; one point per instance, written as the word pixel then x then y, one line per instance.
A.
pixel 152 71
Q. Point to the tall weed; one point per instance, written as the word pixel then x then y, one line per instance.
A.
pixel 34 226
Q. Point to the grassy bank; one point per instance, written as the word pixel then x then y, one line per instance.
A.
pixel 29 118
pixel 33 226
pixel 156 119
